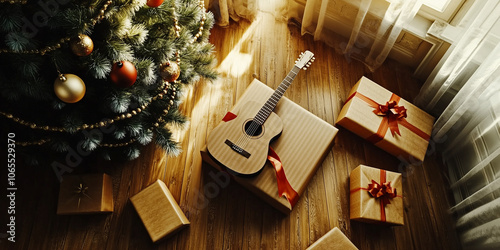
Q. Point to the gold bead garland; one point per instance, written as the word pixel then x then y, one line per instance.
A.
pixel 203 17
pixel 177 28
pixel 116 145
pixel 14 1
pixel 58 45
pixel 33 143
pixel 104 123
pixel 124 116
pixel 43 141
pixel 101 124
pixel 97 19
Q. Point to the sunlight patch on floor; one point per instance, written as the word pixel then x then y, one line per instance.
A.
pixel 236 63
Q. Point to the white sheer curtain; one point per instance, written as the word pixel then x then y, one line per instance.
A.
pixel 232 9
pixel 464 92
pixel 372 33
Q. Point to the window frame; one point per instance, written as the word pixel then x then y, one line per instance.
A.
pixel 451 8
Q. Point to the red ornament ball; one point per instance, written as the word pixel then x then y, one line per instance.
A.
pixel 123 74
pixel 154 3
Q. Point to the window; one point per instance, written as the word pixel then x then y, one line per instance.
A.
pixel 438 5
pixel 440 9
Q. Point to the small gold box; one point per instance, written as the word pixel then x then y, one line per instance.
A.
pixel 159 212
pixel 85 194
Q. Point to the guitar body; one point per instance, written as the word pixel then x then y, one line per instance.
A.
pixel 235 145
pixel 242 144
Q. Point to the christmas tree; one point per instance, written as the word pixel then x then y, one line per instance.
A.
pixel 100 76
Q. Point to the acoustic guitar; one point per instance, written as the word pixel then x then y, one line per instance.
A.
pixel 242 144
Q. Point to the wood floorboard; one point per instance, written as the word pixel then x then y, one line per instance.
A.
pixel 224 215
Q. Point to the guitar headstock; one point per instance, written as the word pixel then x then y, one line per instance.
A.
pixel 305 60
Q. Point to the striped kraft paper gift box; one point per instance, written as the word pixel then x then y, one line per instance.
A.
pixel 302 146
pixel 386 120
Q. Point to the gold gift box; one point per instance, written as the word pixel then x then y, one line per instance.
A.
pixel 85 194
pixel 159 212
pixel 334 239
pixel 364 207
pixel 304 143
pixel 358 117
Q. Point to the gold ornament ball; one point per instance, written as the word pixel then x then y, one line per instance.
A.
pixel 69 88
pixel 170 71
pixel 81 45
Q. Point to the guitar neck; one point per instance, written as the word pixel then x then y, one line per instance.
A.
pixel 270 104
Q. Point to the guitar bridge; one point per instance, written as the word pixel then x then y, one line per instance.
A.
pixel 237 149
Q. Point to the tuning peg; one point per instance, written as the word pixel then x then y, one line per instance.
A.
pixel 312 59
pixel 305 68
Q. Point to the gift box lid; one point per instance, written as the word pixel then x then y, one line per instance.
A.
pixel 158 210
pixel 334 239
pixel 358 117
pixel 304 142
pixel 85 194
pixel 364 207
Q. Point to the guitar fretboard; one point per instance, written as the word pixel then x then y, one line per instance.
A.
pixel 270 104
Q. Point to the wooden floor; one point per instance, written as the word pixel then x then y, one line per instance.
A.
pixel 235 218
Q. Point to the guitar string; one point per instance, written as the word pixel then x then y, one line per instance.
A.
pixel 245 138
pixel 248 132
pixel 254 126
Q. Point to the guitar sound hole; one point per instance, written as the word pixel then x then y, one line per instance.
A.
pixel 252 128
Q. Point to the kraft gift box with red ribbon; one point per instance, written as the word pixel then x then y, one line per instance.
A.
pixel 376 196
pixel 293 158
pixel 386 120
pixel 85 194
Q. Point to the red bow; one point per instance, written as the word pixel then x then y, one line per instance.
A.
pixel 385 192
pixel 393 112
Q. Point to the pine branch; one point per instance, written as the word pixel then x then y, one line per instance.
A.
pixel 129 31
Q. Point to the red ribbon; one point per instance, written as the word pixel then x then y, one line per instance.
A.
pixel 383 192
pixel 284 187
pixel 228 117
pixel 392 116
